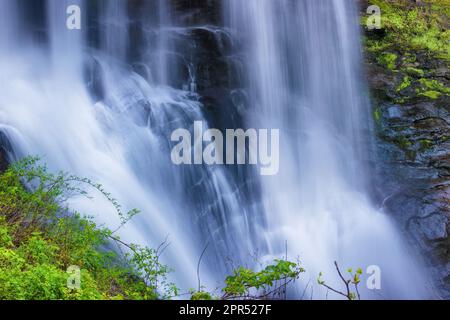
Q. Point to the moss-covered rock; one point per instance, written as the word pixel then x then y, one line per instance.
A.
pixel 408 73
pixel 412 26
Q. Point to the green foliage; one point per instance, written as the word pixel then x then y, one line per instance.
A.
pixel 420 27
pixel 406 82
pixel 146 261
pixel 414 44
pixel 426 144
pixel 388 60
pixel 354 280
pixel 431 88
pixel 403 142
pixel 432 84
pixel 431 94
pixel 245 283
pixel 201 295
pixel 40 238
pixel 377 114
pixel 414 72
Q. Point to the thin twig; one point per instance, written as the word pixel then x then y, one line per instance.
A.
pixel 198 266
pixel 306 288
pixel 334 290
pixel 357 291
pixel 285 281
pixel 344 280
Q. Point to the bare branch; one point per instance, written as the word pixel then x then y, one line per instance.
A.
pixel 198 267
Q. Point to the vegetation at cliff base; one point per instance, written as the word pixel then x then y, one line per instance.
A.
pixel 41 238
pixel 43 244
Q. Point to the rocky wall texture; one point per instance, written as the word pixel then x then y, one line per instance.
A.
pixel 407 63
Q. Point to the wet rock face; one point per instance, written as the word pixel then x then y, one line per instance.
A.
pixel 198 12
pixel 5 151
pixel 414 152
pixel 411 109
pixel 206 48
pixel 199 51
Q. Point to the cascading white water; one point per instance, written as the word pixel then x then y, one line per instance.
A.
pixel 115 24
pixel 46 111
pixel 302 70
pixel 122 140
pixel 304 77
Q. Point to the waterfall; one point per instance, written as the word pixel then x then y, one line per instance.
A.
pixel 102 102
pixel 46 110
pixel 304 76
pixel 115 26
pixel 93 112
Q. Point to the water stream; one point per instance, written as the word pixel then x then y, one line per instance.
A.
pixel 102 102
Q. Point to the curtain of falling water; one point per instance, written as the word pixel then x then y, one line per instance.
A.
pixel 303 75
pixel 163 41
pixel 63 41
pixel 121 137
pixel 8 24
pixel 46 111
pixel 115 23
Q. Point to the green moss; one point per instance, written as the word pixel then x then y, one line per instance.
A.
pixel 441 6
pixel 406 82
pixel 433 84
pixel 425 145
pixel 377 115
pixel 388 60
pixel 400 101
pixel 430 94
pixel 376 46
pixel 432 89
pixel 409 57
pixel 434 40
pixel 404 143
pixel 406 146
pixel 415 72
pixel 412 28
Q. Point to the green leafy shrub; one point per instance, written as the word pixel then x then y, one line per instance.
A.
pixel 201 295
pixel 413 28
pixel 40 238
pixel 265 284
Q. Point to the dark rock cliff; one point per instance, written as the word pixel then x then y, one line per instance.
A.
pixel 408 74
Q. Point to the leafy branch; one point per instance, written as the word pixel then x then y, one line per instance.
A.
pixel 269 283
pixel 355 279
